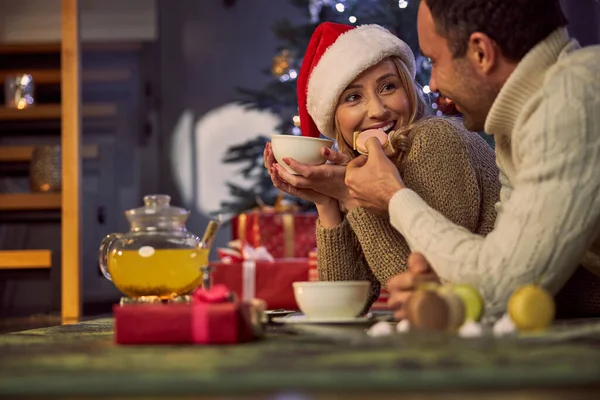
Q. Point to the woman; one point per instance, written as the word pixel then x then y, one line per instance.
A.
pixel 355 79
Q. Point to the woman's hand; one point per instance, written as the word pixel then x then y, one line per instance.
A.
pixel 326 179
pixel 268 157
pixel 276 171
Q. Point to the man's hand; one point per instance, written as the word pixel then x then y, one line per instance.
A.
pixel 373 180
pixel 403 285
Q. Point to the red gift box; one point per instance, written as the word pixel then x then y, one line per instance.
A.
pixel 268 281
pixel 382 301
pixel 212 318
pixel 153 323
pixel 379 304
pixel 284 234
pixel 313 272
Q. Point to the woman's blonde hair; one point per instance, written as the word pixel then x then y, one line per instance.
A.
pixel 417 103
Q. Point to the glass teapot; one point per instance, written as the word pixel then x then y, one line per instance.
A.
pixel 158 256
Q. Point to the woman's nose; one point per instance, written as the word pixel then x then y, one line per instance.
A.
pixel 377 109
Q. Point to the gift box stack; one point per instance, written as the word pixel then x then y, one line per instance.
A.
pixel 313 275
pixel 268 253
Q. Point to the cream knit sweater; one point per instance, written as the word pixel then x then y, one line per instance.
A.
pixel 452 169
pixel 546 124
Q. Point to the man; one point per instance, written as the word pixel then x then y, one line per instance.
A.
pixel 511 70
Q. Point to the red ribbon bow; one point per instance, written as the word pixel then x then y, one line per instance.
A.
pixel 216 294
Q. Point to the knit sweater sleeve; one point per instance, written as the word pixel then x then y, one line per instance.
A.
pixel 444 180
pixel 550 217
pixel 384 248
pixel 339 257
pixel 505 188
pixel 439 169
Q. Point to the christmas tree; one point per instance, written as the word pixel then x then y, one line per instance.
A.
pixel 279 95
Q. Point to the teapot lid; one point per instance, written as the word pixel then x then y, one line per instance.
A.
pixel 157 205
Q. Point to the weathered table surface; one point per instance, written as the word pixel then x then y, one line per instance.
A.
pixel 82 359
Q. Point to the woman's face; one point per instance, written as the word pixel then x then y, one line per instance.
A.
pixel 375 99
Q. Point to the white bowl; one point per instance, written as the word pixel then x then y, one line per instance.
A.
pixel 332 299
pixel 304 149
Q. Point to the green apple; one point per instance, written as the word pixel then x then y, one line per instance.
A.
pixel 472 299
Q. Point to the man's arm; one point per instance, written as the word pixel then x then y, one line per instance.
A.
pixel 544 227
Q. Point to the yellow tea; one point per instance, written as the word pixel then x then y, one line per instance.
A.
pixel 151 272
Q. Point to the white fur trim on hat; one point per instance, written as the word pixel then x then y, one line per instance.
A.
pixel 352 53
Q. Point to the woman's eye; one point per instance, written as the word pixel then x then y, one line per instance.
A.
pixel 352 97
pixel 388 87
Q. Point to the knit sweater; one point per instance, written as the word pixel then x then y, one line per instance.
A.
pixel 451 169
pixel 546 124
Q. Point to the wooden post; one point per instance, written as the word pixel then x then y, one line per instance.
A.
pixel 71 162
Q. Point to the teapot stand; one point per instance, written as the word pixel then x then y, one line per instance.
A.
pixel 154 300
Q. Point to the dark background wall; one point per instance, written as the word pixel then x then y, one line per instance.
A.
pixel 584 18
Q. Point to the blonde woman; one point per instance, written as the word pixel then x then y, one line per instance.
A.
pixel 356 79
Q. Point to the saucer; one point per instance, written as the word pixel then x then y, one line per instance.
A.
pixel 279 312
pixel 302 319
pixel 270 315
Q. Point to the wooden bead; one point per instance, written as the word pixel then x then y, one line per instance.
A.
pixel 427 311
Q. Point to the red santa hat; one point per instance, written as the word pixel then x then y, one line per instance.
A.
pixel 335 56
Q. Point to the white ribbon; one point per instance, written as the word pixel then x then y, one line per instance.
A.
pixel 248 280
pixel 251 256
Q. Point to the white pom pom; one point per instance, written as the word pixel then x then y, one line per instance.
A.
pixel 470 329
pixel 381 328
pixel 403 326
pixel 504 326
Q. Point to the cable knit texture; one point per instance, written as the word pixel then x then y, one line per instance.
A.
pixel 452 170
pixel 546 124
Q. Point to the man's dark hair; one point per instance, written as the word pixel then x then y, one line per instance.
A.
pixel 516 25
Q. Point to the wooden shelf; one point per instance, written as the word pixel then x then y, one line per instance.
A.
pixel 29 48
pixel 42 76
pixel 30 201
pixel 23 153
pixel 53 76
pixel 53 111
pixel 46 48
pixel 25 259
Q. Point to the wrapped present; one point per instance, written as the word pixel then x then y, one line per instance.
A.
pixel 382 300
pixel 212 317
pixel 313 272
pixel 153 323
pixel 284 234
pixel 219 318
pixel 239 251
pixel 253 273
pixel 313 275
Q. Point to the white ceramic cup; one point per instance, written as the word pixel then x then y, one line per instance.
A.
pixel 304 149
pixel 331 300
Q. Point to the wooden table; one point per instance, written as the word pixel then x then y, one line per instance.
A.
pixel 82 359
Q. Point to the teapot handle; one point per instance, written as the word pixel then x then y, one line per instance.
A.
pixel 105 246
